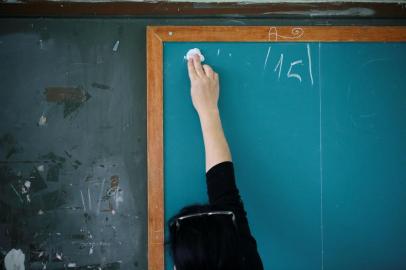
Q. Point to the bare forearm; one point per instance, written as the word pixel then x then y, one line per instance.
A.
pixel 215 143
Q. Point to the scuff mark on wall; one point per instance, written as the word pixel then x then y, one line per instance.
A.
pixel 101 86
pixel 71 97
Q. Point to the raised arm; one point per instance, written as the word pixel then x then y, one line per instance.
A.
pixel 205 94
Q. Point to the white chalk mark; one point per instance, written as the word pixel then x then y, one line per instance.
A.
pixel 42 120
pixel 58 256
pixel 100 195
pixel 14 260
pixel 310 62
pixel 321 165
pixel 89 199
pixel 41 168
pixel 83 201
pixel 18 194
pixel 218 52
pixel 294 75
pixel 267 55
pixel 272 31
pixel 279 64
pixel 71 265
pixel 115 47
pixel 296 32
pixel 27 184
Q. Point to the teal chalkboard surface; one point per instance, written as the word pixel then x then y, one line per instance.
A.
pixel 317 133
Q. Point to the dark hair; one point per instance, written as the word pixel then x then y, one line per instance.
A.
pixel 204 242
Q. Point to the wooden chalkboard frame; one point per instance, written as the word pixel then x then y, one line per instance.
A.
pixel 157 35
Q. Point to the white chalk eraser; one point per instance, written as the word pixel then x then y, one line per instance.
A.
pixel 192 52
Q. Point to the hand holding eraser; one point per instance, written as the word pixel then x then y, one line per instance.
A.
pixel 192 52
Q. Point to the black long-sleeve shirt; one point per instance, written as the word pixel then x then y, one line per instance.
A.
pixel 223 194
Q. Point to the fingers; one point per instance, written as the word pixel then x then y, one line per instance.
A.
pixel 196 69
pixel 198 65
pixel 209 71
pixel 191 69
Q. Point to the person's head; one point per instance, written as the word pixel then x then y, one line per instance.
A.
pixel 204 238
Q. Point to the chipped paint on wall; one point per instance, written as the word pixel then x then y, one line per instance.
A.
pixel 72 98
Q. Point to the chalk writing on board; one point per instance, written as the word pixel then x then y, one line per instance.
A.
pixel 291 73
pixel 279 65
pixel 267 55
pixel 296 32
pixel 310 62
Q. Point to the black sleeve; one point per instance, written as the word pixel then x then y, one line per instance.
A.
pixel 223 193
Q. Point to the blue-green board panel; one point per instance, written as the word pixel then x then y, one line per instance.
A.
pixel 317 133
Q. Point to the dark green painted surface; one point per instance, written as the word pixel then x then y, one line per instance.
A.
pixel 320 166
pixel 89 141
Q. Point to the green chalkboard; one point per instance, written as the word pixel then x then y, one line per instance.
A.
pixel 317 133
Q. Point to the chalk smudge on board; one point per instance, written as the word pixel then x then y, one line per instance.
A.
pixel 58 256
pixel 115 47
pixel 83 201
pixel 113 196
pixel 25 189
pixel 14 260
pixel 72 98
pixel 42 120
pixel 89 199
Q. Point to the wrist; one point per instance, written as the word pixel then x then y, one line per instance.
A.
pixel 208 115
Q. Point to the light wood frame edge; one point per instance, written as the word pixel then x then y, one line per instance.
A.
pixel 155 151
pixel 156 35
